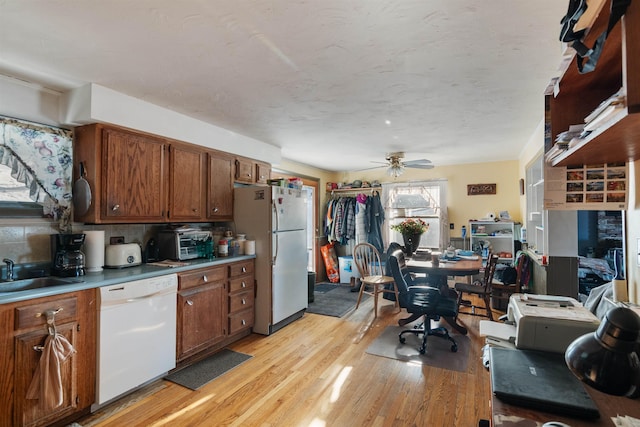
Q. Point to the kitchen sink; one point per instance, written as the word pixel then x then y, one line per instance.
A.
pixel 35 283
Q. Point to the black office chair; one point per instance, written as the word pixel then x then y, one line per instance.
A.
pixel 421 301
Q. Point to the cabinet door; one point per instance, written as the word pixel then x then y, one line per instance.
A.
pixel 133 168
pixel 244 171
pixel 220 200
pixel 34 412
pixel 263 171
pixel 187 183
pixel 202 317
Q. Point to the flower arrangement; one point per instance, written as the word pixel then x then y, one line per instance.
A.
pixel 411 226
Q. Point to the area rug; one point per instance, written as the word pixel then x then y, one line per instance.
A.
pixel 334 300
pixel 438 353
pixel 206 370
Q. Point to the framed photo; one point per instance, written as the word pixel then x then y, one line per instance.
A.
pixel 478 189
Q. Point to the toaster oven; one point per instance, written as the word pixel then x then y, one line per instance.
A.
pixel 180 244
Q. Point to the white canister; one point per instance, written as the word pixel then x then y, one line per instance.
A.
pixel 94 250
pixel 250 247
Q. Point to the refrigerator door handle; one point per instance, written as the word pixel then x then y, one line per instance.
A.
pixel 275 235
pixel 276 238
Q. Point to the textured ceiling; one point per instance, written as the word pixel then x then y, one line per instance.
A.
pixel 336 84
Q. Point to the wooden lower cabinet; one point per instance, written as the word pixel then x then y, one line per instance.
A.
pixel 241 296
pixel 215 308
pixel 24 332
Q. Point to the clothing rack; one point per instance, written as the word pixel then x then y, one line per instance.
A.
pixel 347 191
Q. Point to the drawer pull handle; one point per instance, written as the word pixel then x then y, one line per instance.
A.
pixel 53 312
pixel 189 302
pixel 115 207
pixel 244 285
pixel 204 277
pixel 38 347
pixel 194 210
pixel 244 269
pixel 215 210
pixel 244 301
pixel 244 322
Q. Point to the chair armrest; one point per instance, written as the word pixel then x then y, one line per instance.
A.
pixel 423 288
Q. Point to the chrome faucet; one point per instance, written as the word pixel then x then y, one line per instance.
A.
pixel 9 269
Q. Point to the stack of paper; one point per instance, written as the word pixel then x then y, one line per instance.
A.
pixel 498 334
pixel 605 111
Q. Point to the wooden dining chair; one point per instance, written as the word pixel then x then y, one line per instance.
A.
pixel 502 291
pixel 480 289
pixel 367 260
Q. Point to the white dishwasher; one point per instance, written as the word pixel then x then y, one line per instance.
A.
pixel 136 334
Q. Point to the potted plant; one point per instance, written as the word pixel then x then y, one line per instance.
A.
pixel 411 230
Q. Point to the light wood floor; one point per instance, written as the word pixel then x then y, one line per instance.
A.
pixel 315 373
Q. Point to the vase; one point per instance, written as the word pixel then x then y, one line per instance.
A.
pixel 411 243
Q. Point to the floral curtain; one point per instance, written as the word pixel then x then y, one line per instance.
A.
pixel 40 157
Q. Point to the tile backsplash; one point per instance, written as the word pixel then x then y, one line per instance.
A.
pixel 28 241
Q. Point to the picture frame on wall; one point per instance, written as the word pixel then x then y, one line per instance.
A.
pixel 480 189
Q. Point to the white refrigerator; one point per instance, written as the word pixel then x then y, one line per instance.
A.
pixel 275 217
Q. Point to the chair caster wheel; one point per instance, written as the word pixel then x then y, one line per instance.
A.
pixel 402 340
pixel 454 348
pixel 422 350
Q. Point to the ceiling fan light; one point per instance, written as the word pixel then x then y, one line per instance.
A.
pixel 394 171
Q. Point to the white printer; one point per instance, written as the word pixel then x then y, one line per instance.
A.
pixel 540 322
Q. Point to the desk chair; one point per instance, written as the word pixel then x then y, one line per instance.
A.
pixel 367 260
pixel 421 301
pixel 479 288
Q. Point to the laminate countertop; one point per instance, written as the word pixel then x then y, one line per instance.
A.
pixel 111 276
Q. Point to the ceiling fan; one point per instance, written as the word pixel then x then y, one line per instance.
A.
pixel 395 166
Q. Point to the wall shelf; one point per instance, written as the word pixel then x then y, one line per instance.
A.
pixel 577 95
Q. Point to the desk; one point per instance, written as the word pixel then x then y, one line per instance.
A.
pixel 519 376
pixel 462 267
pixel 505 415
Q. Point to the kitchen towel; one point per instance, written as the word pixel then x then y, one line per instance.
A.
pixel 94 250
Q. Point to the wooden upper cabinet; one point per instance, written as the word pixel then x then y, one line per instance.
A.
pixel 187 183
pixel 249 171
pixel 577 95
pixel 263 171
pixel 244 171
pixel 126 172
pixel 137 177
pixel 220 198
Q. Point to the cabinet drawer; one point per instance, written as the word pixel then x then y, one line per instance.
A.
pixel 34 315
pixel 241 284
pixel 240 321
pixel 201 277
pixel 240 268
pixel 240 302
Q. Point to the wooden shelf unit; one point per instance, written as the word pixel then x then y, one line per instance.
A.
pixel 577 95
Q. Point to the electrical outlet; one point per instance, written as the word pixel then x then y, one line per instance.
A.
pixel 451 226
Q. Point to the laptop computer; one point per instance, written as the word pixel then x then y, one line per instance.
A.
pixel 539 380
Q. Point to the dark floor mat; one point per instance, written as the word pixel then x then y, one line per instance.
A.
pixel 204 371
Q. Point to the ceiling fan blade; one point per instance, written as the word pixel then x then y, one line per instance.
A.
pixel 417 162
pixel 373 167
pixel 419 166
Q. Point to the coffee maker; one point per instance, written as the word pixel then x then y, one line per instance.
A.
pixel 67 260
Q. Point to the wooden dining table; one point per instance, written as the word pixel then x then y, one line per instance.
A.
pixel 440 272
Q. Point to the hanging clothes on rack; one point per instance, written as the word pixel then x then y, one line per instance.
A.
pixel 361 213
pixel 355 219
pixel 375 220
